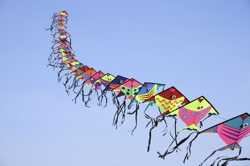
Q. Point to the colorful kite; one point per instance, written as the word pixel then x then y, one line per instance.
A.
pixel 167 101
pixel 232 132
pixel 118 80
pixel 129 89
pixel 191 114
pixel 146 91
pixel 101 84
pixel 91 82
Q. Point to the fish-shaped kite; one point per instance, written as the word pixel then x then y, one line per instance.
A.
pixel 147 90
pixel 167 101
pixel 191 114
pixel 129 89
pixel 232 132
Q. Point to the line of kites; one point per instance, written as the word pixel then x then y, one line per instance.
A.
pixel 170 102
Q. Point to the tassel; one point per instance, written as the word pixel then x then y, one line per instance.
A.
pixel 83 98
pixel 154 124
pixel 188 154
pixel 77 95
pixel 232 146
pixel 174 148
pixel 89 94
pixel 136 114
pixel 227 159
pixel 100 98
pixel 117 114
pixel 115 100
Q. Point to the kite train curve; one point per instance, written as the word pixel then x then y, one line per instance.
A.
pixel 129 92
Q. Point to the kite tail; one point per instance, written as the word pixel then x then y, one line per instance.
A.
pixel 51 56
pixel 136 115
pixel 188 154
pixel 74 84
pixel 219 159
pixel 233 159
pixel 121 109
pixel 174 148
pixel 59 76
pixel 154 124
pixel 115 100
pixel 97 94
pixel 175 135
pixel 228 159
pixel 123 112
pixel 100 98
pixel 68 78
pixel 83 97
pixel 81 91
pixel 166 127
pixel 88 95
pixel 208 158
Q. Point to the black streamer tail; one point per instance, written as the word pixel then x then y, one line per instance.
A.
pixel 100 98
pixel 136 116
pixel 115 100
pixel 219 159
pixel 188 154
pixel 174 148
pixel 120 109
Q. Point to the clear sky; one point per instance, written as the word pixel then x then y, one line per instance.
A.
pixel 200 47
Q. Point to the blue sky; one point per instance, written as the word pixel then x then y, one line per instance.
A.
pixel 201 48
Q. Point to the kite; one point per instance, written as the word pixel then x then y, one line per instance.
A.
pixel 58 19
pixel 91 81
pixel 191 114
pixel 129 89
pixel 167 101
pixel 232 132
pixel 101 84
pixel 146 91
pixel 85 76
pixel 112 85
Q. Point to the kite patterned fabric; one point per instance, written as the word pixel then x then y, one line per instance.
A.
pixel 169 102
